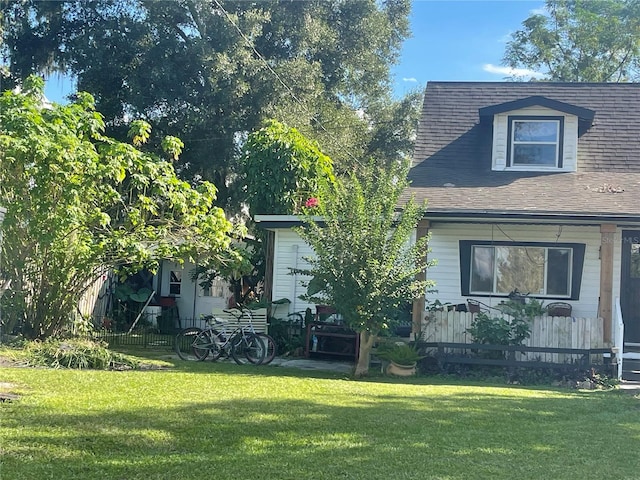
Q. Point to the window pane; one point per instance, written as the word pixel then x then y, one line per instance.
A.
pixel 535 131
pixel 635 260
pixel 520 268
pixel 558 277
pixel 534 155
pixel 482 269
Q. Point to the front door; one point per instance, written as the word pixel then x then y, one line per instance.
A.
pixel 630 285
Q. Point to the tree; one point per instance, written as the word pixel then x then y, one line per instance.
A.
pixel 365 264
pixel 212 71
pixel 282 169
pixel 580 41
pixel 78 201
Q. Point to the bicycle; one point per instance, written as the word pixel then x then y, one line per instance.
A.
pixel 242 344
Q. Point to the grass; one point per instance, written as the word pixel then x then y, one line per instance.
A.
pixel 201 420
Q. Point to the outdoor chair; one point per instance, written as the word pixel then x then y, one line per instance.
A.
pixel 559 309
pixel 474 306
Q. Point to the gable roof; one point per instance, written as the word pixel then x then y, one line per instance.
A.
pixel 452 157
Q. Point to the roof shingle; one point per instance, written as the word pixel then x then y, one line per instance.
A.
pixel 453 148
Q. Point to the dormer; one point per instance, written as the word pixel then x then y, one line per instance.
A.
pixel 536 134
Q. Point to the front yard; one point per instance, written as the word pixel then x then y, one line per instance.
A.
pixel 223 421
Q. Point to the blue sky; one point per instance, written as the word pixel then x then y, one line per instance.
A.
pixel 459 40
pixel 453 40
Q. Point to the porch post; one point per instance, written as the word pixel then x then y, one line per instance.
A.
pixel 605 305
pixel 270 240
pixel 422 230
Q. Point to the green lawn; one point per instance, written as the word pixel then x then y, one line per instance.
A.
pixel 221 421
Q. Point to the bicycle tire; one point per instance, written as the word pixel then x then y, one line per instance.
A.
pixel 183 343
pixel 207 344
pixel 247 349
pixel 271 350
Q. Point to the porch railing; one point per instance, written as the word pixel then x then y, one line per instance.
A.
pixel 546 332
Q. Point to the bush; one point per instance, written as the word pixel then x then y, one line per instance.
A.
pixel 400 354
pixel 75 353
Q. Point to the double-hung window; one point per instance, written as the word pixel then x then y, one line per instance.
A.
pixel 543 270
pixel 535 142
pixel 175 282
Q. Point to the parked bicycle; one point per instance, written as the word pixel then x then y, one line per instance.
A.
pixel 243 344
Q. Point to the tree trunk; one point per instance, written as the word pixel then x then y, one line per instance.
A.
pixel 367 339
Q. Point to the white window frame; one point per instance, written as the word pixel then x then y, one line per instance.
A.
pixel 543 293
pixel 513 143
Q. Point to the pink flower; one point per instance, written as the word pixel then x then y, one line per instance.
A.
pixel 311 203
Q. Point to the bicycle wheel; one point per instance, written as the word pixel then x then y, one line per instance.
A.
pixel 207 344
pixel 183 343
pixel 247 349
pixel 270 348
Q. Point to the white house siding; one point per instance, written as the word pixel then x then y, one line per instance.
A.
pixel 289 252
pixel 500 140
pixel 191 301
pixel 445 250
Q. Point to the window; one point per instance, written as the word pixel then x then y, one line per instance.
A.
pixel 634 268
pixel 543 270
pixel 175 282
pixel 535 142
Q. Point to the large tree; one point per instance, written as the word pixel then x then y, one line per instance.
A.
pixel 78 202
pixel 365 262
pixel 580 41
pixel 211 71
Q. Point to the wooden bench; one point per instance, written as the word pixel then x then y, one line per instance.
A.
pixel 231 320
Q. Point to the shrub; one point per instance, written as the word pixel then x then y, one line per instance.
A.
pixel 75 353
pixel 400 354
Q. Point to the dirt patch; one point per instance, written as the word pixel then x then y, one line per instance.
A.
pixel 5 392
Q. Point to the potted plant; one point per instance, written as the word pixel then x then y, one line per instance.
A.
pixel 402 359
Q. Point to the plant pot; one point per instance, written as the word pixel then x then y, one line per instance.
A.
pixel 401 370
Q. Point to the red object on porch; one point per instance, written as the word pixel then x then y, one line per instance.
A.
pixel 167 301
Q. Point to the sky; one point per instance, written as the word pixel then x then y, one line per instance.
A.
pixel 459 40
pixel 452 40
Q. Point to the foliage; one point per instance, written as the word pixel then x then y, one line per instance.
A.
pixel 288 333
pixel 365 264
pixel 79 202
pixel 75 353
pixel 282 169
pixel 211 71
pixel 502 330
pixel 400 354
pixel 580 41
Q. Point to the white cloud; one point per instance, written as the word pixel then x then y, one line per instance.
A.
pixel 538 11
pixel 512 72
pixel 410 79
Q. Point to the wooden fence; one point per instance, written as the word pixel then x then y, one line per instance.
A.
pixel 550 332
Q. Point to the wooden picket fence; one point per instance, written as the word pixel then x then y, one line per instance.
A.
pixel 555 332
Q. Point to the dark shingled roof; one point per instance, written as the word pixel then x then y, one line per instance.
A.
pixel 452 157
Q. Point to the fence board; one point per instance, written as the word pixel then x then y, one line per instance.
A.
pixel 559 332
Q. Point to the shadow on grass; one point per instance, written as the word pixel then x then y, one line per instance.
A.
pixel 329 429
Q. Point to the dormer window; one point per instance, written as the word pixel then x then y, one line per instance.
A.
pixel 535 142
pixel 536 134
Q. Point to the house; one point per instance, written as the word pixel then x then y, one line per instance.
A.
pixel 176 296
pixel 532 187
